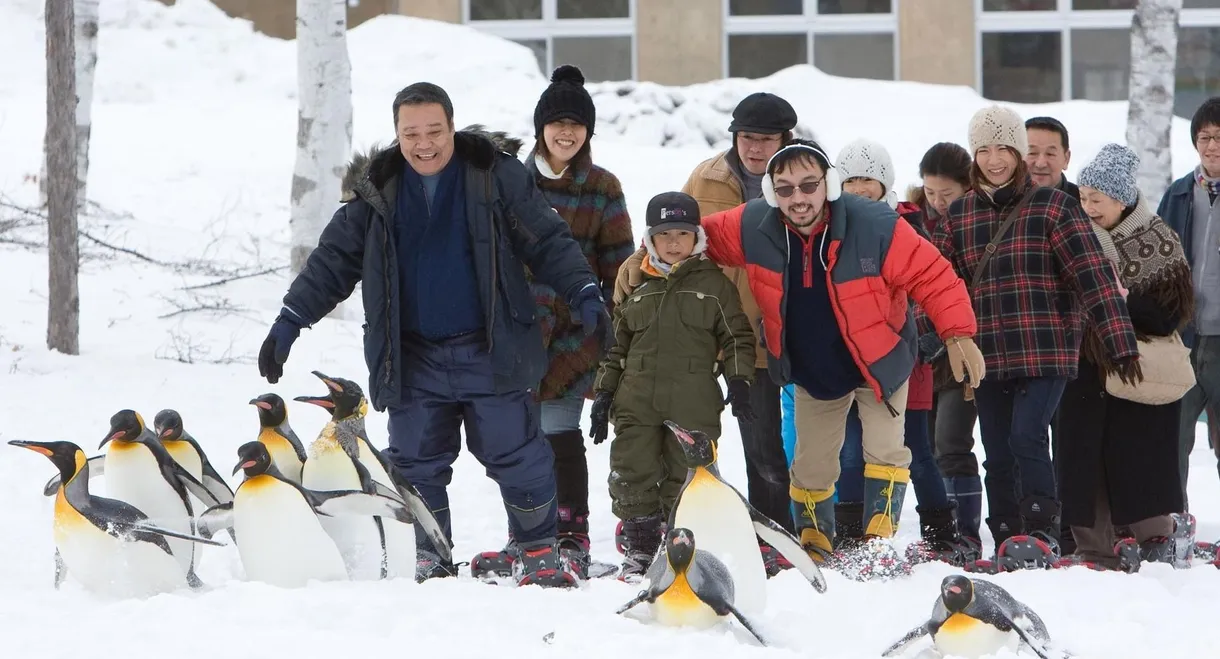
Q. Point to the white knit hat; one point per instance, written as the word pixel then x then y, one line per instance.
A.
pixel 865 158
pixel 998 125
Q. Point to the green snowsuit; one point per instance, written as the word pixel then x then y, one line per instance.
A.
pixel 668 335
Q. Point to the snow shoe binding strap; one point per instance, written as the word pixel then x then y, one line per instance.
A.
pixel 1027 552
pixel 541 564
pixel 493 565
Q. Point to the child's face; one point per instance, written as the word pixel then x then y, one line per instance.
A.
pixel 674 245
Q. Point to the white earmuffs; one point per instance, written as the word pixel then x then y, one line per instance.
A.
pixel 833 185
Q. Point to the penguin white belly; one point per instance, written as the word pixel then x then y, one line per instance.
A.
pixel 680 607
pixel 399 537
pixel 356 537
pixel 282 454
pixel 714 512
pixel 963 636
pixel 282 542
pixel 132 475
pixel 106 565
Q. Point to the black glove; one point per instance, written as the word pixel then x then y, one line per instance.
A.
pixel 931 347
pixel 275 348
pixel 591 309
pixel 599 417
pixel 739 399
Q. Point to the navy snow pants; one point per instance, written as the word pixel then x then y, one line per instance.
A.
pixel 448 385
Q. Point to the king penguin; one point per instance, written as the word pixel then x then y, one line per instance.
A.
pixel 729 527
pixel 341 458
pixel 186 451
pixel 282 542
pixel 109 546
pixel 976 618
pixel 140 471
pixel 286 449
pixel 688 586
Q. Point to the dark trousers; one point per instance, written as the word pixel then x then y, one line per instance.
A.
pixel 766 463
pixel 449 385
pixel 926 479
pixel 953 434
pixel 1205 355
pixel 1014 417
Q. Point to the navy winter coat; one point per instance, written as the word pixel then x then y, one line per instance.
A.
pixel 511 227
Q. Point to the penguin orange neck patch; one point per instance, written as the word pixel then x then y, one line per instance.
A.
pixel 958 623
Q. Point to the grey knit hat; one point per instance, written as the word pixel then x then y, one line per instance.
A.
pixel 1112 173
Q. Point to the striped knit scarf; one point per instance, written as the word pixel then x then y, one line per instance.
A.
pixel 1212 185
pixel 1141 247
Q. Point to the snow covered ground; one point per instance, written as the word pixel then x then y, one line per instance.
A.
pixel 194 125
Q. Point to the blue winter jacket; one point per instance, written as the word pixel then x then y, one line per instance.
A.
pixel 511 227
pixel 1177 209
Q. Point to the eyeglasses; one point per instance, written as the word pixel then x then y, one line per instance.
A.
pixel 808 188
pixel 1204 140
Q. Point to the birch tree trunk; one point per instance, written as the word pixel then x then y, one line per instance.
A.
pixel 85 22
pixel 324 121
pixel 1154 50
pixel 63 305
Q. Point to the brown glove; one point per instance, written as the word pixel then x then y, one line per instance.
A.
pixel 1129 371
pixel 965 359
pixel 630 275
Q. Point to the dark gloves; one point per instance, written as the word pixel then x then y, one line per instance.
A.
pixel 590 308
pixel 275 348
pixel 739 399
pixel 930 347
pixel 599 416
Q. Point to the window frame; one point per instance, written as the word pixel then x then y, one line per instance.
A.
pixel 551 26
pixel 1064 19
pixel 810 23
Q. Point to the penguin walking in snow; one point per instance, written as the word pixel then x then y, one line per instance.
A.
pixel 341 458
pixel 729 527
pixel 282 542
pixel 186 451
pixel 110 546
pixel 286 449
pixel 688 586
pixel 974 618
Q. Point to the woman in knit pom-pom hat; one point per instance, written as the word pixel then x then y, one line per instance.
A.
pixel 1122 456
pixel 1046 271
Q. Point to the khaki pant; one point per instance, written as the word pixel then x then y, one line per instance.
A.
pixel 822 424
pixel 1097 542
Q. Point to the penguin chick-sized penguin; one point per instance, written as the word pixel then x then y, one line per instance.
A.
pixel 282 541
pixel 974 618
pixel 185 450
pixel 110 547
pixel 286 449
pixel 689 587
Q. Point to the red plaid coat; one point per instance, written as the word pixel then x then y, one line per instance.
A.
pixel 1047 272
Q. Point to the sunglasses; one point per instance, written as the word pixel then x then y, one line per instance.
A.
pixel 807 188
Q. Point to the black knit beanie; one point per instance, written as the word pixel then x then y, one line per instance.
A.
pixel 566 98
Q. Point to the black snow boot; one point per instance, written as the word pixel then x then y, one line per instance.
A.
pixel 940 539
pixel 849 527
pixel 642 540
pixel 574 540
pixel 1038 548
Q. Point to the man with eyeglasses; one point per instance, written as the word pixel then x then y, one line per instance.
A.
pixel 1192 207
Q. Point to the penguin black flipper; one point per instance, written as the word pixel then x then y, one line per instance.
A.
pixel 659 578
pixel 422 514
pixel 285 431
pixel 911 636
pixel 97 466
pixel 712 583
pixel 335 503
pixel 1033 644
pixel 179 478
pixel 120 519
pixel 213 482
pixel 216 519
pixel 787 545
pixel 643 596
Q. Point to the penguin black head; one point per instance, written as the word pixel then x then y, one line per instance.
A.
pixel 345 398
pixel 253 459
pixel 61 454
pixel 125 426
pixel 679 548
pixel 271 410
pixel 699 449
pixel 956 592
pixel 168 425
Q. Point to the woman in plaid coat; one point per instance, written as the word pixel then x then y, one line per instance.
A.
pixel 1046 275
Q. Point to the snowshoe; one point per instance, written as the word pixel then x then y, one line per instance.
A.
pixel 982 566
pixel 493 566
pixel 1027 552
pixel 601 570
pixel 773 561
pixel 1177 550
pixel 430 566
pixel 956 554
pixel 1207 551
pixel 542 564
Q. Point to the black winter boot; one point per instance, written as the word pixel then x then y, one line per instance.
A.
pixel 643 539
pixel 573 539
pixel 940 539
pixel 1039 547
pixel 849 526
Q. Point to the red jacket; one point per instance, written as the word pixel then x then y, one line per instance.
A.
pixel 874 262
pixel 1048 269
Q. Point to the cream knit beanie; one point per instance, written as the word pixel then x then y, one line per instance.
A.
pixel 998 125
pixel 865 158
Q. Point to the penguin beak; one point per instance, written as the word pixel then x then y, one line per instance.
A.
pixel 243 465
pixel 165 433
pixel 330 384
pixel 320 401
pixel 33 446
pixel 260 403
pixel 680 433
pixel 111 437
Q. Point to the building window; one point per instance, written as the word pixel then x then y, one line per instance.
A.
pixel 539 48
pixel 1198 71
pixel 1103 4
pixel 1201 4
pixel 1023 67
pixel 505 10
pixel 855 55
pixel 765 7
pixel 1101 64
pixel 855 7
pixel 760 55
pixel 593 9
pixel 599 58
pixel 1019 5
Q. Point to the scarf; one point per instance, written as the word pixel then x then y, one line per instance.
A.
pixel 1143 249
pixel 1211 185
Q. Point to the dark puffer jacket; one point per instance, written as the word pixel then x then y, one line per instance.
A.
pixel 511 227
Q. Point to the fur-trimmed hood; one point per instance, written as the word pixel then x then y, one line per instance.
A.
pixel 375 166
pixel 700 245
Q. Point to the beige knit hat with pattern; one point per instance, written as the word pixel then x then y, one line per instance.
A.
pixel 998 125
